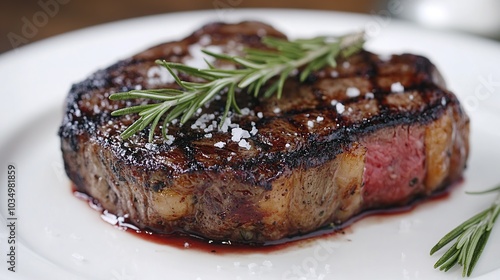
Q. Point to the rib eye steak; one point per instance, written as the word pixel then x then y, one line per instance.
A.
pixel 374 132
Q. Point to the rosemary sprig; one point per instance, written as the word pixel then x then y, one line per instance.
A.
pixel 256 69
pixel 470 238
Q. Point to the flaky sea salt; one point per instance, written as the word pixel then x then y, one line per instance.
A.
pixel 369 95
pixel 397 87
pixel 254 131
pixel 202 121
pixel 238 134
pixel 340 108
pixel 334 102
pixel 205 40
pixel 310 124
pixel 319 118
pixel 169 139
pixel 244 144
pixel 245 111
pixel 227 124
pixel 220 144
pixel 352 92
pixel 157 75
pixel 177 50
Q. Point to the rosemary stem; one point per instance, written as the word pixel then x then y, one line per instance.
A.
pixel 495 212
pixel 469 238
pixel 256 70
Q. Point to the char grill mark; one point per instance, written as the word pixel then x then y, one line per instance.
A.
pixel 307 163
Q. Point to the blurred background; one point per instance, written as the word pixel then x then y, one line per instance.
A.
pixel 26 21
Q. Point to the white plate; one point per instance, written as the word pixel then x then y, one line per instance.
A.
pixel 60 237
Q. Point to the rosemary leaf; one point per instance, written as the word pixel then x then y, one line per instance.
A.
pixel 469 238
pixel 132 110
pixel 155 123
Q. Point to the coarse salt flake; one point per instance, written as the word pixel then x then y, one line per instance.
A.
pixel 254 131
pixel 340 108
pixel 319 118
pixel 177 50
pixel 169 139
pixel 205 40
pixel 397 87
pixel 369 95
pixel 334 102
pixel 244 144
pixel 352 92
pixel 239 133
pixel 158 76
pixel 245 111
pixel 310 124
pixel 220 144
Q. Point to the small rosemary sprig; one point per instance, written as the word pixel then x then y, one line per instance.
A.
pixel 256 69
pixel 470 239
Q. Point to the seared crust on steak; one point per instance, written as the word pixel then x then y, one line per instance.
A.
pixel 347 140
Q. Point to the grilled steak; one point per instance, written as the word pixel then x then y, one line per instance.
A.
pixel 374 132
